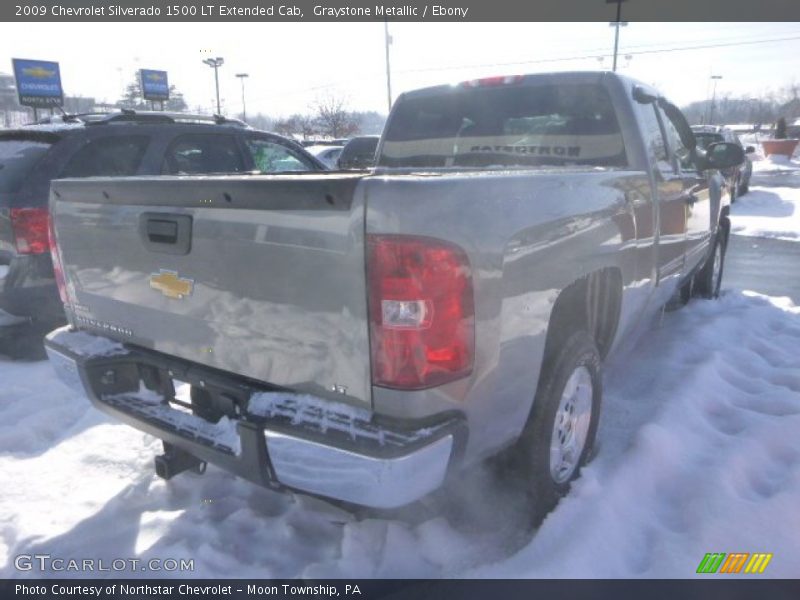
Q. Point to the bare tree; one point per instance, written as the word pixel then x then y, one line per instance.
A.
pixel 333 119
pixel 297 124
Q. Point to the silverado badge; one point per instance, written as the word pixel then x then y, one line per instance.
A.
pixel 172 286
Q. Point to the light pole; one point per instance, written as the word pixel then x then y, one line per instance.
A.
pixel 388 40
pixel 713 98
pixel 242 77
pixel 216 63
pixel 616 25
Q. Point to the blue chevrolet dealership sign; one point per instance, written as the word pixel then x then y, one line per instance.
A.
pixel 154 84
pixel 38 83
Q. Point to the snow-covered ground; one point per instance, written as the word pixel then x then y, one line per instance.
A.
pixel 772 206
pixel 698 451
pixel 772 212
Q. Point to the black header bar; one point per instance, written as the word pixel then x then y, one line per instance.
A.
pixel 401 10
pixel 712 587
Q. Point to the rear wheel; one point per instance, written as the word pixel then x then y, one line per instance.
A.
pixel 560 433
pixel 744 187
pixel 708 279
pixel 25 343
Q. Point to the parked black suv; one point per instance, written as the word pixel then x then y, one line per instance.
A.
pixel 115 144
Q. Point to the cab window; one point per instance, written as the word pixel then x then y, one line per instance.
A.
pixel 679 154
pixel 654 137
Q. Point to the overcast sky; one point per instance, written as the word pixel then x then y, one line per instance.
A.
pixel 293 64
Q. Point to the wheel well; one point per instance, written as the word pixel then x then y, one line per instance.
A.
pixel 591 304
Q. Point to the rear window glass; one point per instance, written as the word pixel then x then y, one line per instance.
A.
pixel 17 161
pixel 705 139
pixel 359 153
pixel 114 156
pixel 506 126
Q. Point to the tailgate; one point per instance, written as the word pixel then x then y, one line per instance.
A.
pixel 259 276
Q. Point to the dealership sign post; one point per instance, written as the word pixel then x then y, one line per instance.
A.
pixel 38 84
pixel 155 85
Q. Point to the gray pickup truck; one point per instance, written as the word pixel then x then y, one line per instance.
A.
pixel 364 336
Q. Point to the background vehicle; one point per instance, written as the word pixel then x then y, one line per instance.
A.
pixel 361 336
pixel 738 177
pixel 326 154
pixel 359 153
pixel 109 145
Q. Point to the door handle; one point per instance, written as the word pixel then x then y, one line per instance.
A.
pixel 162 231
pixel 166 233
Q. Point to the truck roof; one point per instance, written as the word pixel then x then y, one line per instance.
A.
pixel 521 79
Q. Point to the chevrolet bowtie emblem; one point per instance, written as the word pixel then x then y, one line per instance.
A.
pixel 172 286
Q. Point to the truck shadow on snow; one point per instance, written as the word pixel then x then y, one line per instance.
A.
pixel 760 203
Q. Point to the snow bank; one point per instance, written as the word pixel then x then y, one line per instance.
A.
pixel 775 164
pixel 698 452
pixel 772 212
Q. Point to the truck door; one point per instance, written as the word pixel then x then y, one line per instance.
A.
pixel 671 204
pixel 696 197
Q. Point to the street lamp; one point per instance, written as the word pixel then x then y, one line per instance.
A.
pixel 242 77
pixel 388 42
pixel 715 78
pixel 216 63
pixel 616 25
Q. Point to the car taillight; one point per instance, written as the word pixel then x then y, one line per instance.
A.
pixel 30 230
pixel 58 266
pixel 422 319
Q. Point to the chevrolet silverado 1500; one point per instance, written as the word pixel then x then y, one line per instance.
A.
pixel 363 336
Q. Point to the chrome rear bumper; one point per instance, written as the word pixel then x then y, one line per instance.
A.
pixel 301 443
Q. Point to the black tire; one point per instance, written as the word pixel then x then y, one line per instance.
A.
pixel 25 344
pixel 706 284
pixel 533 461
pixel 743 189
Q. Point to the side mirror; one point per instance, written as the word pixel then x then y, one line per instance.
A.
pixel 724 155
pixel 749 150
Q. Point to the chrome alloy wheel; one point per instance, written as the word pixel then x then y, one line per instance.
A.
pixel 571 426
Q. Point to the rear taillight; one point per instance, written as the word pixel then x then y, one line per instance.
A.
pixel 58 266
pixel 422 318
pixel 30 230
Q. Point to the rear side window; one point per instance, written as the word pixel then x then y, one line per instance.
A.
pixel 112 156
pixel 17 160
pixel 269 157
pixel 501 126
pixel 203 153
